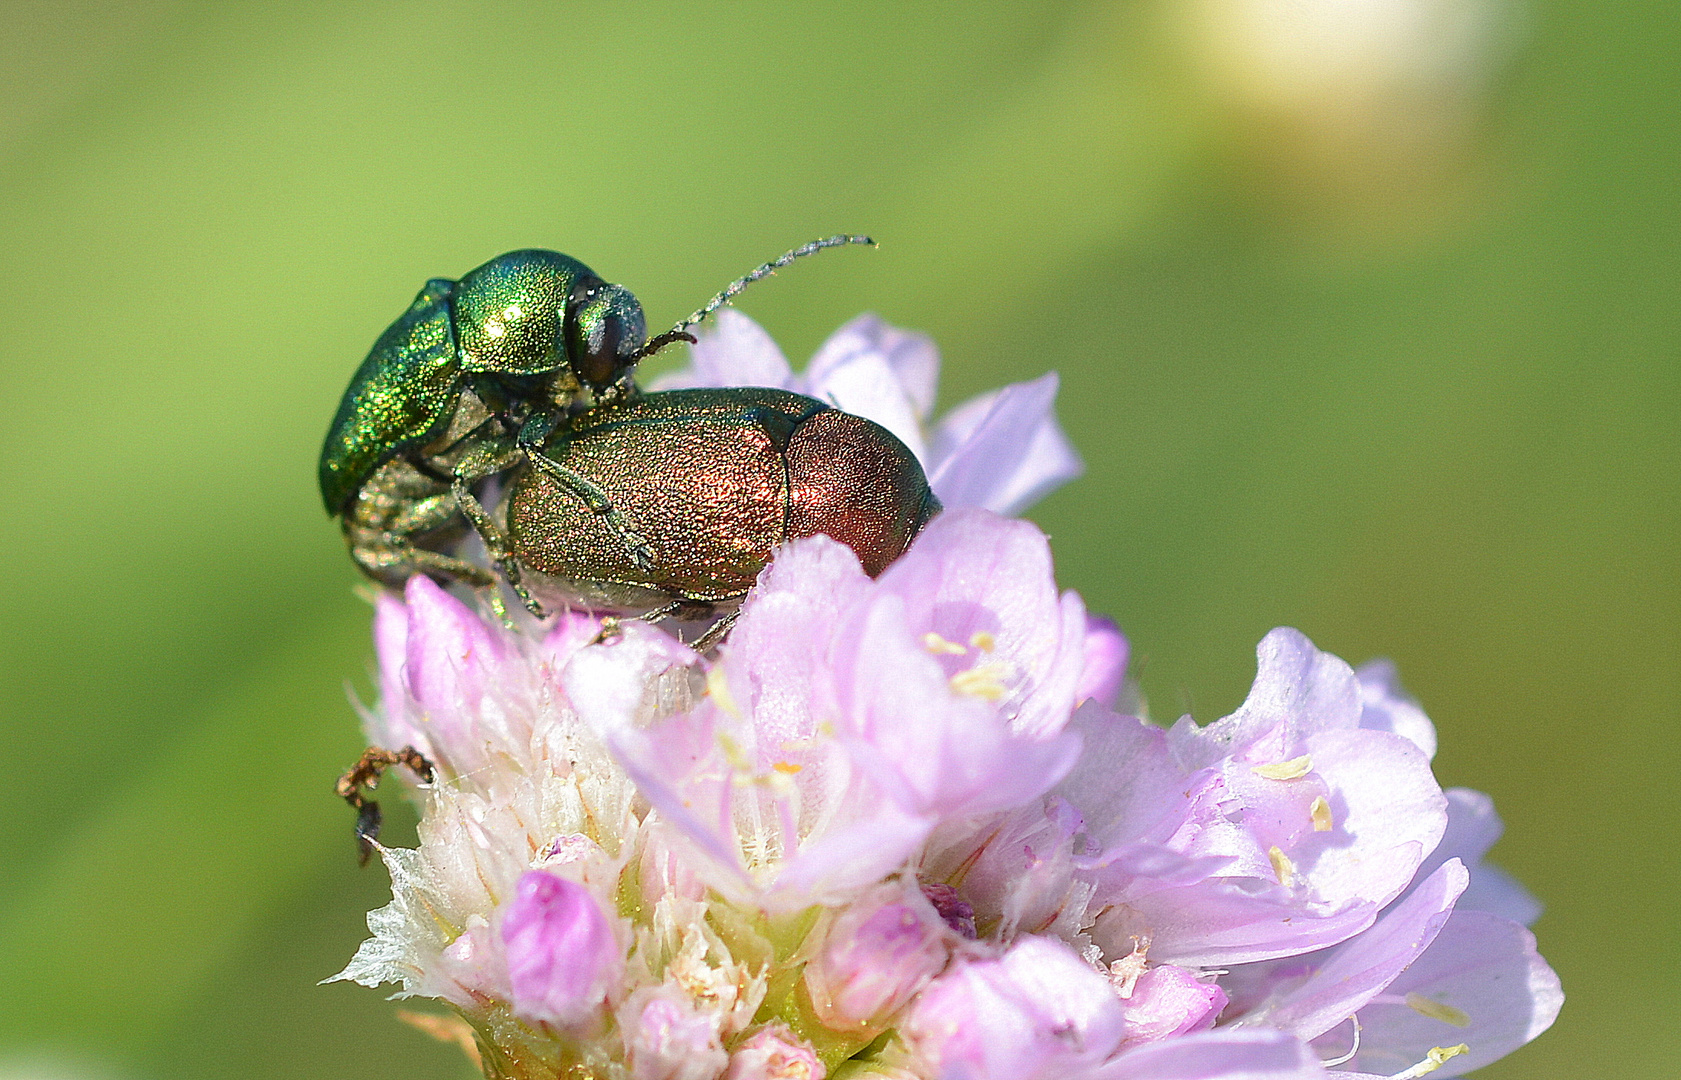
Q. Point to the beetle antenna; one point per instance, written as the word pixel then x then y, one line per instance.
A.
pixel 730 291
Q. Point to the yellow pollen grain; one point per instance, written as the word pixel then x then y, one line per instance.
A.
pixel 718 689
pixel 1320 811
pixel 494 330
pixel 981 681
pixel 512 312
pixel 983 641
pixel 788 767
pixel 1294 769
pixel 939 646
pixel 1281 865
pixel 1435 1010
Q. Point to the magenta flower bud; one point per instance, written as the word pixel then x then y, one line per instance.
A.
pixel 874 957
pixel 562 956
pixel 775 1053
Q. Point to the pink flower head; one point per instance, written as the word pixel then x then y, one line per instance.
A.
pixel 906 828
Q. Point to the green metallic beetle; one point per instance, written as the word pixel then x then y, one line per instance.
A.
pixel 710 481
pixel 465 385
pixel 471 363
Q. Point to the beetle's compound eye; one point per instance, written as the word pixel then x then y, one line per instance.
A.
pixel 605 329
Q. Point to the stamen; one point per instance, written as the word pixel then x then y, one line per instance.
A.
pixel 1294 769
pixel 1355 1049
pixel 1320 811
pixel 982 681
pixel 1281 865
pixel 1124 973
pixel 1434 1060
pixel 788 768
pixel 939 646
pixel 734 755
pixel 718 689
pixel 983 641
pixel 1435 1010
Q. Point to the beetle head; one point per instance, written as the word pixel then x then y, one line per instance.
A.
pixel 604 331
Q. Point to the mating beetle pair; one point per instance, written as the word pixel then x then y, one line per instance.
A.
pixel 614 501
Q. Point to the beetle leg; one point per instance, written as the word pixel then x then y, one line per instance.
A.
pixel 487 458
pixel 496 543
pixel 661 612
pixel 419 518
pixel 715 633
pixel 609 630
pixel 641 553
pixel 398 554
pixel 365 774
pixel 392 554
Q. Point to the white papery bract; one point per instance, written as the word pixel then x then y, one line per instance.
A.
pixel 901 827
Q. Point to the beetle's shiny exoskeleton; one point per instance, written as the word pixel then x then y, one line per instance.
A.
pixel 470 370
pixel 710 482
pixel 466 385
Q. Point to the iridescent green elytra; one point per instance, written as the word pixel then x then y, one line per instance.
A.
pixel 442 399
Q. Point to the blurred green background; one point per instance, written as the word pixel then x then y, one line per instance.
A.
pixel 1366 314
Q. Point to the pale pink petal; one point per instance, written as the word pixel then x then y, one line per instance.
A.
pixel 911 358
pixel 872 843
pixel 1231 920
pixel 1386 809
pixel 1105 665
pixel 983 585
pixel 874 955
pixel 1217 1055
pixel 735 352
pixel 1349 976
pixel 667 1038
pixel 1127 785
pixel 569 632
pixel 1004 450
pixel 1480 983
pixel 929 748
pixel 391 648
pixel 1473 827
pixel 1386 707
pixel 774 657
pixel 1168 1002
pixel 1298 690
pixel 451 653
pixel 1037 1013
